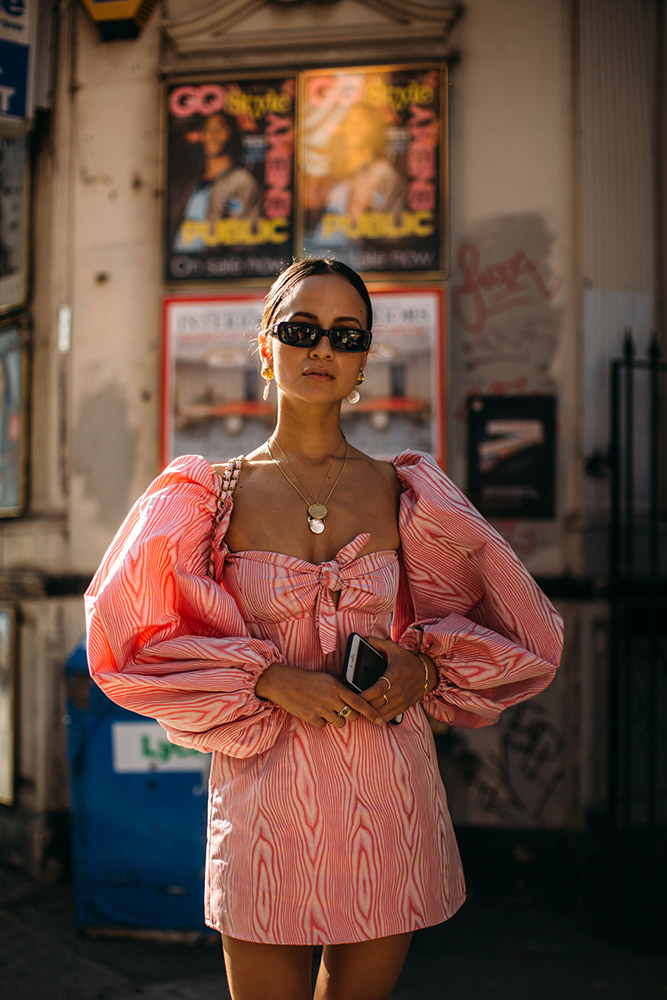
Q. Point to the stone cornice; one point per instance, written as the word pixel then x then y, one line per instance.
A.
pixel 384 31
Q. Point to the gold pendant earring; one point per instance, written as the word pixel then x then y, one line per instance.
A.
pixel 354 396
pixel 267 375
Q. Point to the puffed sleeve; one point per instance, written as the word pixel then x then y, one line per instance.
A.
pixel 167 641
pixel 468 602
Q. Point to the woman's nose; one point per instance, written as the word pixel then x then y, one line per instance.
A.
pixel 322 348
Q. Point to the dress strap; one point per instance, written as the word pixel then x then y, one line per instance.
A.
pixel 230 477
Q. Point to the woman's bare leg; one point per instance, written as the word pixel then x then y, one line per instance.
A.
pixel 367 970
pixel 267 971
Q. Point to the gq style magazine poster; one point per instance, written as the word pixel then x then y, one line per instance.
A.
pixel 230 178
pixel 372 162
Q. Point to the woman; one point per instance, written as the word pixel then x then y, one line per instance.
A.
pixel 364 179
pixel 326 825
pixel 223 188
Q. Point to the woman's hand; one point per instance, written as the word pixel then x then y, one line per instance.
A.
pixel 314 697
pixel 406 676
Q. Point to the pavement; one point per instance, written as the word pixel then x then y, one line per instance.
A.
pixel 508 947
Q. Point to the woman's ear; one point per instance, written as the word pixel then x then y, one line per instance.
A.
pixel 264 346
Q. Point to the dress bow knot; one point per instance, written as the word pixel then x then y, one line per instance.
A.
pixel 328 575
pixel 333 577
pixel 329 580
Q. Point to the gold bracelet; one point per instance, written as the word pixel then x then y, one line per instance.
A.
pixel 422 660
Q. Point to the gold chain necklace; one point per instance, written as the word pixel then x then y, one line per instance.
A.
pixel 327 474
pixel 317 510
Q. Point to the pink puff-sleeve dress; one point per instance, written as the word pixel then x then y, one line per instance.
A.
pixel 315 835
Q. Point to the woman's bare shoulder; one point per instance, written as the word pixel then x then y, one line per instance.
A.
pixel 377 472
pixel 250 465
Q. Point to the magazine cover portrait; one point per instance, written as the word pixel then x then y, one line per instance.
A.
pixel 230 173
pixel 372 167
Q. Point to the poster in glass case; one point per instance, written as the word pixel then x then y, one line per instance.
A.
pixel 372 167
pixel 13 419
pixel 7 680
pixel 212 389
pixel 13 222
pixel 229 178
pixel 512 455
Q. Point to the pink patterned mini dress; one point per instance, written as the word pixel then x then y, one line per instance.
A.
pixel 315 835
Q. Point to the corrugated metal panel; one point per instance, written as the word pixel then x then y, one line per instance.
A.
pixel 615 72
pixel 617 203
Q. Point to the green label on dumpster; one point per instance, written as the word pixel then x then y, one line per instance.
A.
pixel 143 746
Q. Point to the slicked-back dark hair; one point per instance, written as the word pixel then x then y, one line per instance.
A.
pixel 301 269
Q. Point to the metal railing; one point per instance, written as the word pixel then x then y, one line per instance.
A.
pixel 637 690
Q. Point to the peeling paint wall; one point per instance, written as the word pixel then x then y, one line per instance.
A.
pixel 116 238
pixel 104 446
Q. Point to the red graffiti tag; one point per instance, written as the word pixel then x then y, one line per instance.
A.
pixel 485 292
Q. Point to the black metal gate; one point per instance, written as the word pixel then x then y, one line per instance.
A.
pixel 637 708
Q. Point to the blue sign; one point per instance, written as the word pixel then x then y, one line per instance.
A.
pixel 14 59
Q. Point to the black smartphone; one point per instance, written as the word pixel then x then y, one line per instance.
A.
pixel 363 665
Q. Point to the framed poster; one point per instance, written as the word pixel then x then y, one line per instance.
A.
pixel 212 389
pixel 7 683
pixel 230 178
pixel 372 167
pixel 512 455
pixel 19 56
pixel 13 222
pixel 13 419
pixel 402 397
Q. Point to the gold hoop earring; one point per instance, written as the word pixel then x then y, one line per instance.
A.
pixel 267 375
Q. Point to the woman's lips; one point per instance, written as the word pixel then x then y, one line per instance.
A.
pixel 318 374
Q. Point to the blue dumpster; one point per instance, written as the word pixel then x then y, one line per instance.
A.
pixel 138 815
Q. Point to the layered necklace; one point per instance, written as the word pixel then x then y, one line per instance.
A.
pixel 317 509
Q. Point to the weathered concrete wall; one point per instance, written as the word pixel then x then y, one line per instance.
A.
pixel 116 239
pixel 513 320
pixel 514 331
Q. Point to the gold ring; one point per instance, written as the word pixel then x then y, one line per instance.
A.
pixel 344 712
pixel 386 700
pixel 383 678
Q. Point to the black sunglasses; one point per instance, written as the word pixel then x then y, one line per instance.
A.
pixel 342 338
